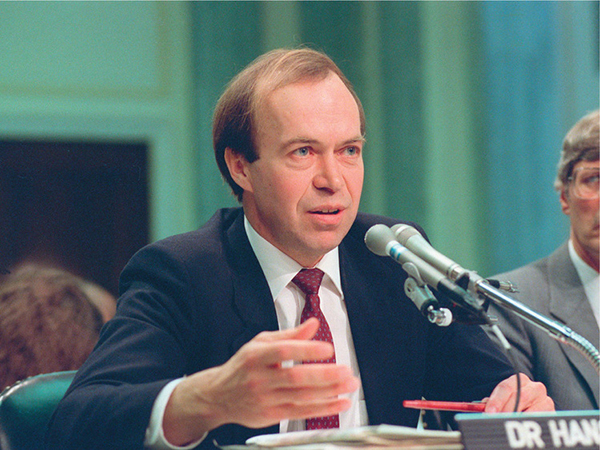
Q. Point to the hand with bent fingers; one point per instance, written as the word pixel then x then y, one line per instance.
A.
pixel 533 396
pixel 254 390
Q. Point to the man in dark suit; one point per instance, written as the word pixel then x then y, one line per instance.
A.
pixel 564 285
pixel 209 335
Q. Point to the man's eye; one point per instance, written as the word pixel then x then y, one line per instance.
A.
pixel 591 179
pixel 352 150
pixel 302 151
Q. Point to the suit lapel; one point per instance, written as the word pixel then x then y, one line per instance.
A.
pixel 569 304
pixel 252 297
pixel 252 301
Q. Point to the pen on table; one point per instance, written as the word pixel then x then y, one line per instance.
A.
pixel 445 406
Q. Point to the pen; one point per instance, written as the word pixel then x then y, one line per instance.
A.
pixel 445 406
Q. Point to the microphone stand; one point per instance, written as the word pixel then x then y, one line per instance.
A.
pixel 416 289
pixel 555 329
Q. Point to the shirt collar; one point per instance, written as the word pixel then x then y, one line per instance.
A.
pixel 585 271
pixel 279 269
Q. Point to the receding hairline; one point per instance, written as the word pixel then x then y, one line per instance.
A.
pixel 285 68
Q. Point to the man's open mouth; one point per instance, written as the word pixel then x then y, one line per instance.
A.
pixel 326 211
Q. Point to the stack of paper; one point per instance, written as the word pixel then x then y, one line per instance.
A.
pixel 372 437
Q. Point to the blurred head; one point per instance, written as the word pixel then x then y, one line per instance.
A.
pixel 235 118
pixel 580 144
pixel 47 323
pixel 577 182
pixel 103 300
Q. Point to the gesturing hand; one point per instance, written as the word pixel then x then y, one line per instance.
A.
pixel 254 389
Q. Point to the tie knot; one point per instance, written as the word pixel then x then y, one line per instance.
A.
pixel 309 280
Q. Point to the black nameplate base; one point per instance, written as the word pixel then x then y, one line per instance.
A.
pixel 559 430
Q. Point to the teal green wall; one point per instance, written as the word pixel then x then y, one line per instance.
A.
pixel 466 102
pixel 106 71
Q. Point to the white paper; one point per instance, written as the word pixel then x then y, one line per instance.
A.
pixel 385 435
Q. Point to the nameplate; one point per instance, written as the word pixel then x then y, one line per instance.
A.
pixel 559 430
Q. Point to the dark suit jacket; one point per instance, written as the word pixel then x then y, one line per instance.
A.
pixel 551 286
pixel 191 301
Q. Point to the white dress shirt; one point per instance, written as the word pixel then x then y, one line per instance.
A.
pixel 589 279
pixel 279 270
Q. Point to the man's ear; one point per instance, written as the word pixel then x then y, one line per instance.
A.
pixel 238 168
pixel 564 201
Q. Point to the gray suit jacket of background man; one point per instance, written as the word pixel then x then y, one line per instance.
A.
pixel 552 287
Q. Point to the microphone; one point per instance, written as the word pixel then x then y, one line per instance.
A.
pixel 381 241
pixel 414 241
pixel 377 238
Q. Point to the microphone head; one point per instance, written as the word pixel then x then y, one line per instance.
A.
pixel 403 232
pixel 377 239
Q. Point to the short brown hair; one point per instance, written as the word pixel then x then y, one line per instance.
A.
pixel 47 323
pixel 581 143
pixel 234 119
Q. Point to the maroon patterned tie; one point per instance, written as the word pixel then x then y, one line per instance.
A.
pixel 309 280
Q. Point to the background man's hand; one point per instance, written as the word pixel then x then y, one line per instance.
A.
pixel 533 396
pixel 254 389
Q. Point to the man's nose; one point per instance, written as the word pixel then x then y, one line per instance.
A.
pixel 329 175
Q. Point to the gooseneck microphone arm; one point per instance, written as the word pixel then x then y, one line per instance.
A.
pixel 557 330
pixel 412 239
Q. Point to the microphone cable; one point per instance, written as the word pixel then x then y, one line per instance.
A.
pixel 511 358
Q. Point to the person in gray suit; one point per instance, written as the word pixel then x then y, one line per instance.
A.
pixel 564 285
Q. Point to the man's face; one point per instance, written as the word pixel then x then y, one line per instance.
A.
pixel 303 191
pixel 584 217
